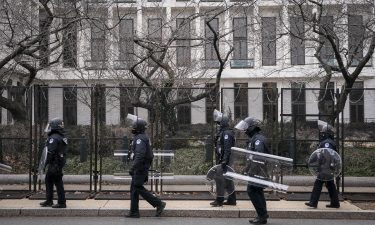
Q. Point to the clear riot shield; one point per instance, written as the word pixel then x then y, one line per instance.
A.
pixel 42 163
pixel 259 169
pixel 5 168
pixel 161 169
pixel 325 164
pixel 219 185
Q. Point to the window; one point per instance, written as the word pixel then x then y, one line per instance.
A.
pixel 241 104
pixel 184 110
pixel 126 43
pixel 268 41
pixel 326 52
pixel 101 104
pixel 98 37
pixel 183 50
pixel 209 48
pixel 356 103
pixel 70 106
pixel 126 94
pixel 355 38
pixel 240 38
pixel 69 43
pixel 327 96
pixel 299 102
pixel 42 103
pixel 44 40
pixel 297 45
pixel 211 103
pixel 11 96
pixel 270 98
pixel 155 34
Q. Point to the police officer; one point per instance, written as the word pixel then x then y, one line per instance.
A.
pixel 257 142
pixel 56 158
pixel 225 140
pixel 142 156
pixel 326 138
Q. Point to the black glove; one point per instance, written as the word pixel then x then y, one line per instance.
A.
pixel 131 172
pixel 224 167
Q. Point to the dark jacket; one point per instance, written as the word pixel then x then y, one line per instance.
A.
pixel 57 147
pixel 224 144
pixel 328 143
pixel 143 154
pixel 257 165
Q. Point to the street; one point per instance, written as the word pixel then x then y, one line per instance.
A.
pixel 165 221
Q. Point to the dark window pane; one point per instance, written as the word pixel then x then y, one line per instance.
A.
pixel 69 43
pixel 326 27
pixel 155 34
pixel 183 51
pixel 241 104
pixel 299 102
pixel 210 53
pixel 297 44
pixel 44 41
pixel 211 104
pixel 70 106
pixel 98 37
pixel 268 41
pixel 126 94
pixel 356 32
pixel 270 98
pixel 240 38
pixel 126 45
pixel 356 102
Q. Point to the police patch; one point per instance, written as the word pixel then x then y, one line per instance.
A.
pixel 226 137
pixel 51 140
pixel 138 141
pixel 257 142
pixel 326 145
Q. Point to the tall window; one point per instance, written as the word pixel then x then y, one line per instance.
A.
pixel 184 110
pixel 155 34
pixel 297 45
pixel 126 44
pixel 209 48
pixel 356 36
pixel 270 97
pixel 328 99
pixel 356 103
pixel 98 36
pixel 241 100
pixel 268 41
pixel 299 101
pixel 211 103
pixel 42 103
pixel 126 94
pixel 326 52
pixel 44 41
pixel 70 106
pixel 69 43
pixel 183 51
pixel 101 104
pixel 240 38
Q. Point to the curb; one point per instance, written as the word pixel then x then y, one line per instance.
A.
pixel 203 213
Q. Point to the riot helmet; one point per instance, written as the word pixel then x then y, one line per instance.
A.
pixel 325 130
pixel 138 124
pixel 56 124
pixel 249 125
pixel 221 119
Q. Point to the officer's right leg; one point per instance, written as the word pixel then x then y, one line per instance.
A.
pixel 315 194
pixel 134 200
pixel 229 186
pixel 256 196
pixel 49 190
pixel 333 195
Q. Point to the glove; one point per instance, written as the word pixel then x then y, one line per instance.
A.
pixel 131 172
pixel 224 167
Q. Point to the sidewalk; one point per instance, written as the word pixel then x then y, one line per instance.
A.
pixel 189 208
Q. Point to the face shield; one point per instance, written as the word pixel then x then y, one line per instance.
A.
pixel 218 116
pixel 131 119
pixel 47 129
pixel 324 126
pixel 242 125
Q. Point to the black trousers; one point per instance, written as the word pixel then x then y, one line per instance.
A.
pixel 223 186
pixel 256 195
pixel 51 180
pixel 332 192
pixel 136 189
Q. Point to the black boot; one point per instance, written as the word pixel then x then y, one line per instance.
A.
pixel 259 220
pixel 160 208
pixel 59 206
pixel 216 203
pixel 46 204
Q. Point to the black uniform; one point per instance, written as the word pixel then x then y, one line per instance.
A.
pixel 224 144
pixel 142 160
pixel 322 178
pixel 258 143
pixel 56 159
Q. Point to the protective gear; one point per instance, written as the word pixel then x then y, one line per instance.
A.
pixel 221 119
pixel 325 130
pixel 56 124
pixel 249 125
pixel 138 125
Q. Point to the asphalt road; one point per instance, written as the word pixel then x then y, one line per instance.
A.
pixel 165 221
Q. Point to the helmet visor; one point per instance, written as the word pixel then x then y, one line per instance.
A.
pixel 324 126
pixel 47 129
pixel 218 116
pixel 131 119
pixel 242 125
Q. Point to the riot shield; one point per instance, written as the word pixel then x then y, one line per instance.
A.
pixel 325 164
pixel 42 163
pixel 259 169
pixel 219 185
pixel 5 168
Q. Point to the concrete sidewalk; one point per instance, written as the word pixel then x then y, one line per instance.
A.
pixel 178 208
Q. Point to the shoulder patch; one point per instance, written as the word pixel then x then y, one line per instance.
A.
pixel 326 145
pixel 138 141
pixel 226 137
pixel 50 140
pixel 257 142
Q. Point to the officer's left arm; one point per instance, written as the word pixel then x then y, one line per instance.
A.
pixel 228 140
pixel 139 154
pixel 52 146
